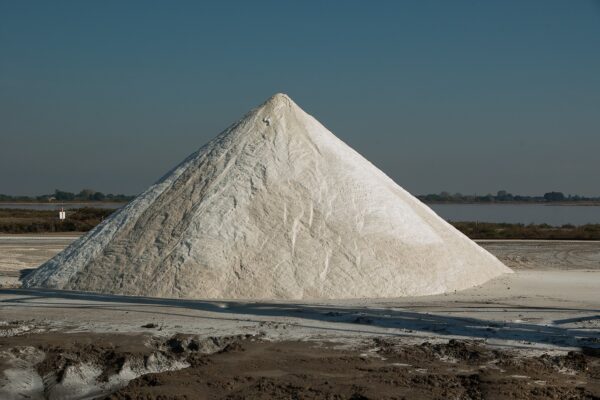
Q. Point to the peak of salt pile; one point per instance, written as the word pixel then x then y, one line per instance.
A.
pixel 276 206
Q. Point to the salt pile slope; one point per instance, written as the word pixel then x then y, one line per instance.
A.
pixel 274 207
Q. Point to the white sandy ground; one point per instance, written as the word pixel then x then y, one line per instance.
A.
pixel 552 301
pixel 22 252
pixel 545 310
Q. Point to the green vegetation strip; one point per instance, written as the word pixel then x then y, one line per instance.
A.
pixel 46 221
pixel 84 219
pixel 485 230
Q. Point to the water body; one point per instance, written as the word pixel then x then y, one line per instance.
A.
pixel 510 213
pixel 520 213
pixel 58 206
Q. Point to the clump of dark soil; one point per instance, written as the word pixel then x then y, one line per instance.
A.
pixel 106 350
pixel 467 351
pixel 181 343
pixel 232 347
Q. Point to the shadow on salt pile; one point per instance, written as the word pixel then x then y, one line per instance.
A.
pixel 346 317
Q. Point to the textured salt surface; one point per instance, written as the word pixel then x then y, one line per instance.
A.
pixel 274 207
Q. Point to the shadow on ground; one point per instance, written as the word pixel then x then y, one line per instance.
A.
pixel 349 319
pixel 24 272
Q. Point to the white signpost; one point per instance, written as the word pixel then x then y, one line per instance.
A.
pixel 62 214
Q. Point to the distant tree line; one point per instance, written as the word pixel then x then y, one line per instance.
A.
pixel 63 196
pixel 502 196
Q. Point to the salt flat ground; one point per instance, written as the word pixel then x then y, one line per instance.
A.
pixel 551 301
pixel 19 253
pixel 513 334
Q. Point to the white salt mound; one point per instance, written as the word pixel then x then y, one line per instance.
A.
pixel 275 207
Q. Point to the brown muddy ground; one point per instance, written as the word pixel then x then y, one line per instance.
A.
pixel 247 367
pixel 385 369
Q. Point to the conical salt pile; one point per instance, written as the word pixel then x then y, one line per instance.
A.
pixel 274 207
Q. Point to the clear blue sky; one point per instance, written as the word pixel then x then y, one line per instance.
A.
pixel 469 96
